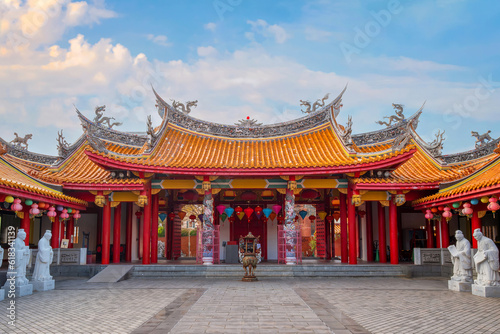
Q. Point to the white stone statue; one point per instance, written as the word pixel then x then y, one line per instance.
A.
pixel 161 248
pixel 461 259
pixel 43 259
pixel 1 256
pixel 21 259
pixel 486 260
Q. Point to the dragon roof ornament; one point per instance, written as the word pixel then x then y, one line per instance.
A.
pixel 481 151
pixel 100 119
pixel 315 106
pixel 247 122
pixel 21 153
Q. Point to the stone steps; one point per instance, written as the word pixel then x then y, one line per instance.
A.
pixel 270 271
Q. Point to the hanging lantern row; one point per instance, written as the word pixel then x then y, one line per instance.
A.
pixel 35 208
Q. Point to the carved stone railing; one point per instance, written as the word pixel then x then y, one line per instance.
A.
pixel 477 153
pixel 30 156
pixel 234 131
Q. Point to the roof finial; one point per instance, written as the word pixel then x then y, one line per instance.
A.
pixel 480 139
pixel 396 118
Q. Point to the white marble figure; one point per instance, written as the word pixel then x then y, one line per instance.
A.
pixel 486 260
pixel 462 264
pixel 1 256
pixel 43 259
pixel 21 258
pixel 161 248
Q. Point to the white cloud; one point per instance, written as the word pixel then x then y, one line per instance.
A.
pixel 313 34
pixel 210 26
pixel 275 31
pixel 159 39
pixel 207 51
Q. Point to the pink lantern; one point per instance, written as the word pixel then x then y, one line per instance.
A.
pixel 447 213
pixel 220 208
pixel 52 212
pixel 16 206
pixel 34 209
pixel 493 206
pixel 64 214
pixel 277 208
pixel 77 214
pixel 428 214
pixel 467 210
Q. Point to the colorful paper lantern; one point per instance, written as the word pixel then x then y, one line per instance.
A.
pixel 267 212
pixel 248 212
pixel 162 216
pixel 64 214
pixel 223 216
pixel 312 217
pixel 220 208
pixel 17 205
pixel 272 216
pixel 303 213
pixel 322 215
pixel 52 212
pixel 336 215
pixel 200 217
pixel 447 213
pixel 28 202
pixel 276 208
pixel 77 214
pixel 467 210
pixel 192 217
pixel 456 205
pixel 428 214
pixel 34 209
pixel 59 208
pixel 493 206
pixel 240 215
pixel 70 210
pixel 434 210
pixel 238 209
pixel 181 214
pixel 484 199
pixel 9 199
pixel 474 201
pixel 229 211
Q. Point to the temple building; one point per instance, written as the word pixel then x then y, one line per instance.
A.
pixel 308 187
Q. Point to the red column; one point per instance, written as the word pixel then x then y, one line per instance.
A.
pixel 106 231
pixel 128 233
pixel 369 232
pixel 382 243
pixel 146 229
pixel 70 228
pixel 351 218
pixel 99 228
pixel 438 234
pixel 343 229
pixel 393 232
pixel 25 224
pixel 54 242
pixel 154 228
pixel 117 223
pixel 430 234
pixel 476 223
pixel 445 236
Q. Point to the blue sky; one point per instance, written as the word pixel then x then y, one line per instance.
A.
pixel 249 58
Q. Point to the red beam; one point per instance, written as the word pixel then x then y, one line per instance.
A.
pixel 103 187
pixel 396 186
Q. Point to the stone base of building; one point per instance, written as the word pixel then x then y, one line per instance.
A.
pixel 44 285
pixel 486 291
pixel 459 286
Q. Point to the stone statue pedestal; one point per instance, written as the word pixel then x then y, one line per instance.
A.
pixel 459 286
pixel 23 290
pixel 486 291
pixel 2 294
pixel 208 260
pixel 44 285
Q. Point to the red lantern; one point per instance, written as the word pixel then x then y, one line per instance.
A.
pixel 312 217
pixel 467 210
pixel 280 220
pixel 434 210
pixel 428 214
pixel 336 215
pixel 238 209
pixel 171 215
pixel 248 212
pixel 192 217
pixel 138 214
pixel 181 215
pixel 231 219
pixel 361 213
pixel 440 208
pixel 329 218
pixel 258 209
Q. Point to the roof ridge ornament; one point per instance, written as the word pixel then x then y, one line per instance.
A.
pixel 435 147
pixel 399 117
pixel 481 139
pixel 151 132
pixel 345 132
pixel 100 119
pixel 315 106
pixel 62 145
pixel 247 122
pixel 19 141
pixel 184 108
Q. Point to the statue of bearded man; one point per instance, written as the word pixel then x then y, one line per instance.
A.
pixel 461 259
pixel 486 260
pixel 43 259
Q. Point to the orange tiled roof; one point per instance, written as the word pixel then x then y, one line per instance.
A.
pixel 320 147
pixel 12 178
pixel 484 179
pixel 422 168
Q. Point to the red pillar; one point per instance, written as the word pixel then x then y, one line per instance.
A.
pixel 128 233
pixel 438 234
pixel 25 224
pixel 430 234
pixel 382 243
pixel 343 229
pixel 117 223
pixel 146 229
pixel 445 236
pixel 393 232
pixel 154 228
pixel 54 242
pixel 70 228
pixel 476 223
pixel 99 228
pixel 369 232
pixel 106 231
pixel 351 218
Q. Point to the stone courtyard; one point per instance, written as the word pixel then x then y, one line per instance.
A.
pixel 271 305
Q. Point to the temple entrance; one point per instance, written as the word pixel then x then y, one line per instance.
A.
pixel 190 222
pixel 254 225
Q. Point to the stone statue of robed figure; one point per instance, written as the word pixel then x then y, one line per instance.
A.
pixel 42 280
pixel 16 274
pixel 461 259
pixel 486 260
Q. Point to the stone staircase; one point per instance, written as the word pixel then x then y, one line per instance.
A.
pixel 267 270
